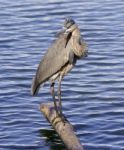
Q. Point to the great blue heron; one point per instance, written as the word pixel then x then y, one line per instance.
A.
pixel 60 59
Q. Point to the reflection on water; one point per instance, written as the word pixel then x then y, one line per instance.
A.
pixel 92 94
pixel 52 139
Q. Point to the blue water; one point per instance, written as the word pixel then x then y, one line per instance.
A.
pixel 92 94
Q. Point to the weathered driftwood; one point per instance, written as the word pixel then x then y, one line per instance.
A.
pixel 64 130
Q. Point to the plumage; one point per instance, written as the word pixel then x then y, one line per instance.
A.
pixel 59 59
pixel 55 58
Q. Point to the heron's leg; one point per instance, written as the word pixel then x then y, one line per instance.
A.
pixel 53 95
pixel 59 94
pixel 59 97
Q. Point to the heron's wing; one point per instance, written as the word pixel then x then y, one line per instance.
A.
pixel 55 58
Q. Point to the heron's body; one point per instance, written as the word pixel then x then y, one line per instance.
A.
pixel 60 58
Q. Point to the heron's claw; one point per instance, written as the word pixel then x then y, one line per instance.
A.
pixel 63 118
pixel 60 118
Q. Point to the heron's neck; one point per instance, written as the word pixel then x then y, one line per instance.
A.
pixel 76 33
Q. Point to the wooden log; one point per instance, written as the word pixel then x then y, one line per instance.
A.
pixel 64 130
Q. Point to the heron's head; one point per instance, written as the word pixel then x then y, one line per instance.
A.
pixel 70 25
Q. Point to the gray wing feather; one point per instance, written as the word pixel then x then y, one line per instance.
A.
pixel 71 57
pixel 55 58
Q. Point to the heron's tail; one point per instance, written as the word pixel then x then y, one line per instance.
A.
pixel 34 87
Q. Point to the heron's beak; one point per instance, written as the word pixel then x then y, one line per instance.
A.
pixel 72 28
pixel 66 30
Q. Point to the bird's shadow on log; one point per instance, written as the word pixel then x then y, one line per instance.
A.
pixel 52 139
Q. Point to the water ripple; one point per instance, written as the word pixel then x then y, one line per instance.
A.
pixel 92 94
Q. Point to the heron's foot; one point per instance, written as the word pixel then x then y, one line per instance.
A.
pixel 60 116
pixel 63 118
pixel 56 117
